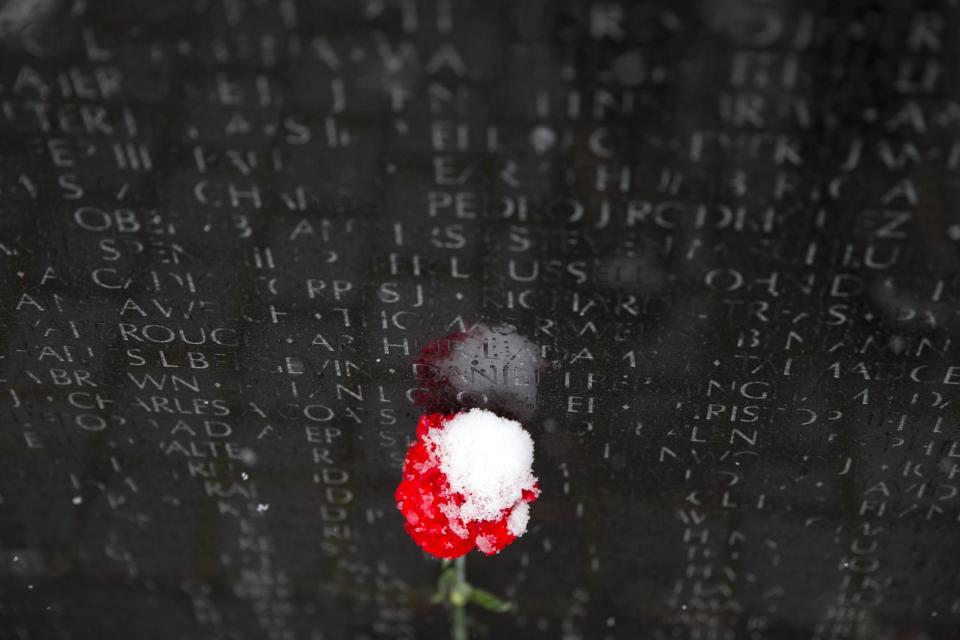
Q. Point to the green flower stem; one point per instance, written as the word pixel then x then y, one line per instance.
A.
pixel 459 595
pixel 453 589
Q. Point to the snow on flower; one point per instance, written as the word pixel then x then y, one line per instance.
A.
pixel 467 482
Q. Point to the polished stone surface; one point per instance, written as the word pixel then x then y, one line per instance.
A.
pixel 707 253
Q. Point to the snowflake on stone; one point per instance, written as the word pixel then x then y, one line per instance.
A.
pixel 467 482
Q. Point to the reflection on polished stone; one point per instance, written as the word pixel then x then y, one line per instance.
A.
pixel 488 367
pixel 706 252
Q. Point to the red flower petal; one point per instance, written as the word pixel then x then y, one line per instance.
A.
pixel 492 537
pixel 431 509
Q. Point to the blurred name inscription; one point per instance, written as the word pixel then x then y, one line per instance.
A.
pixel 717 243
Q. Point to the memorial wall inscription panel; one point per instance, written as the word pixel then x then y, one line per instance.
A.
pixel 708 253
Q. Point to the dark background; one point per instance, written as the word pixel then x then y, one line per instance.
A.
pixel 718 241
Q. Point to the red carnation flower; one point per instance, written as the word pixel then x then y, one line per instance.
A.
pixel 467 482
